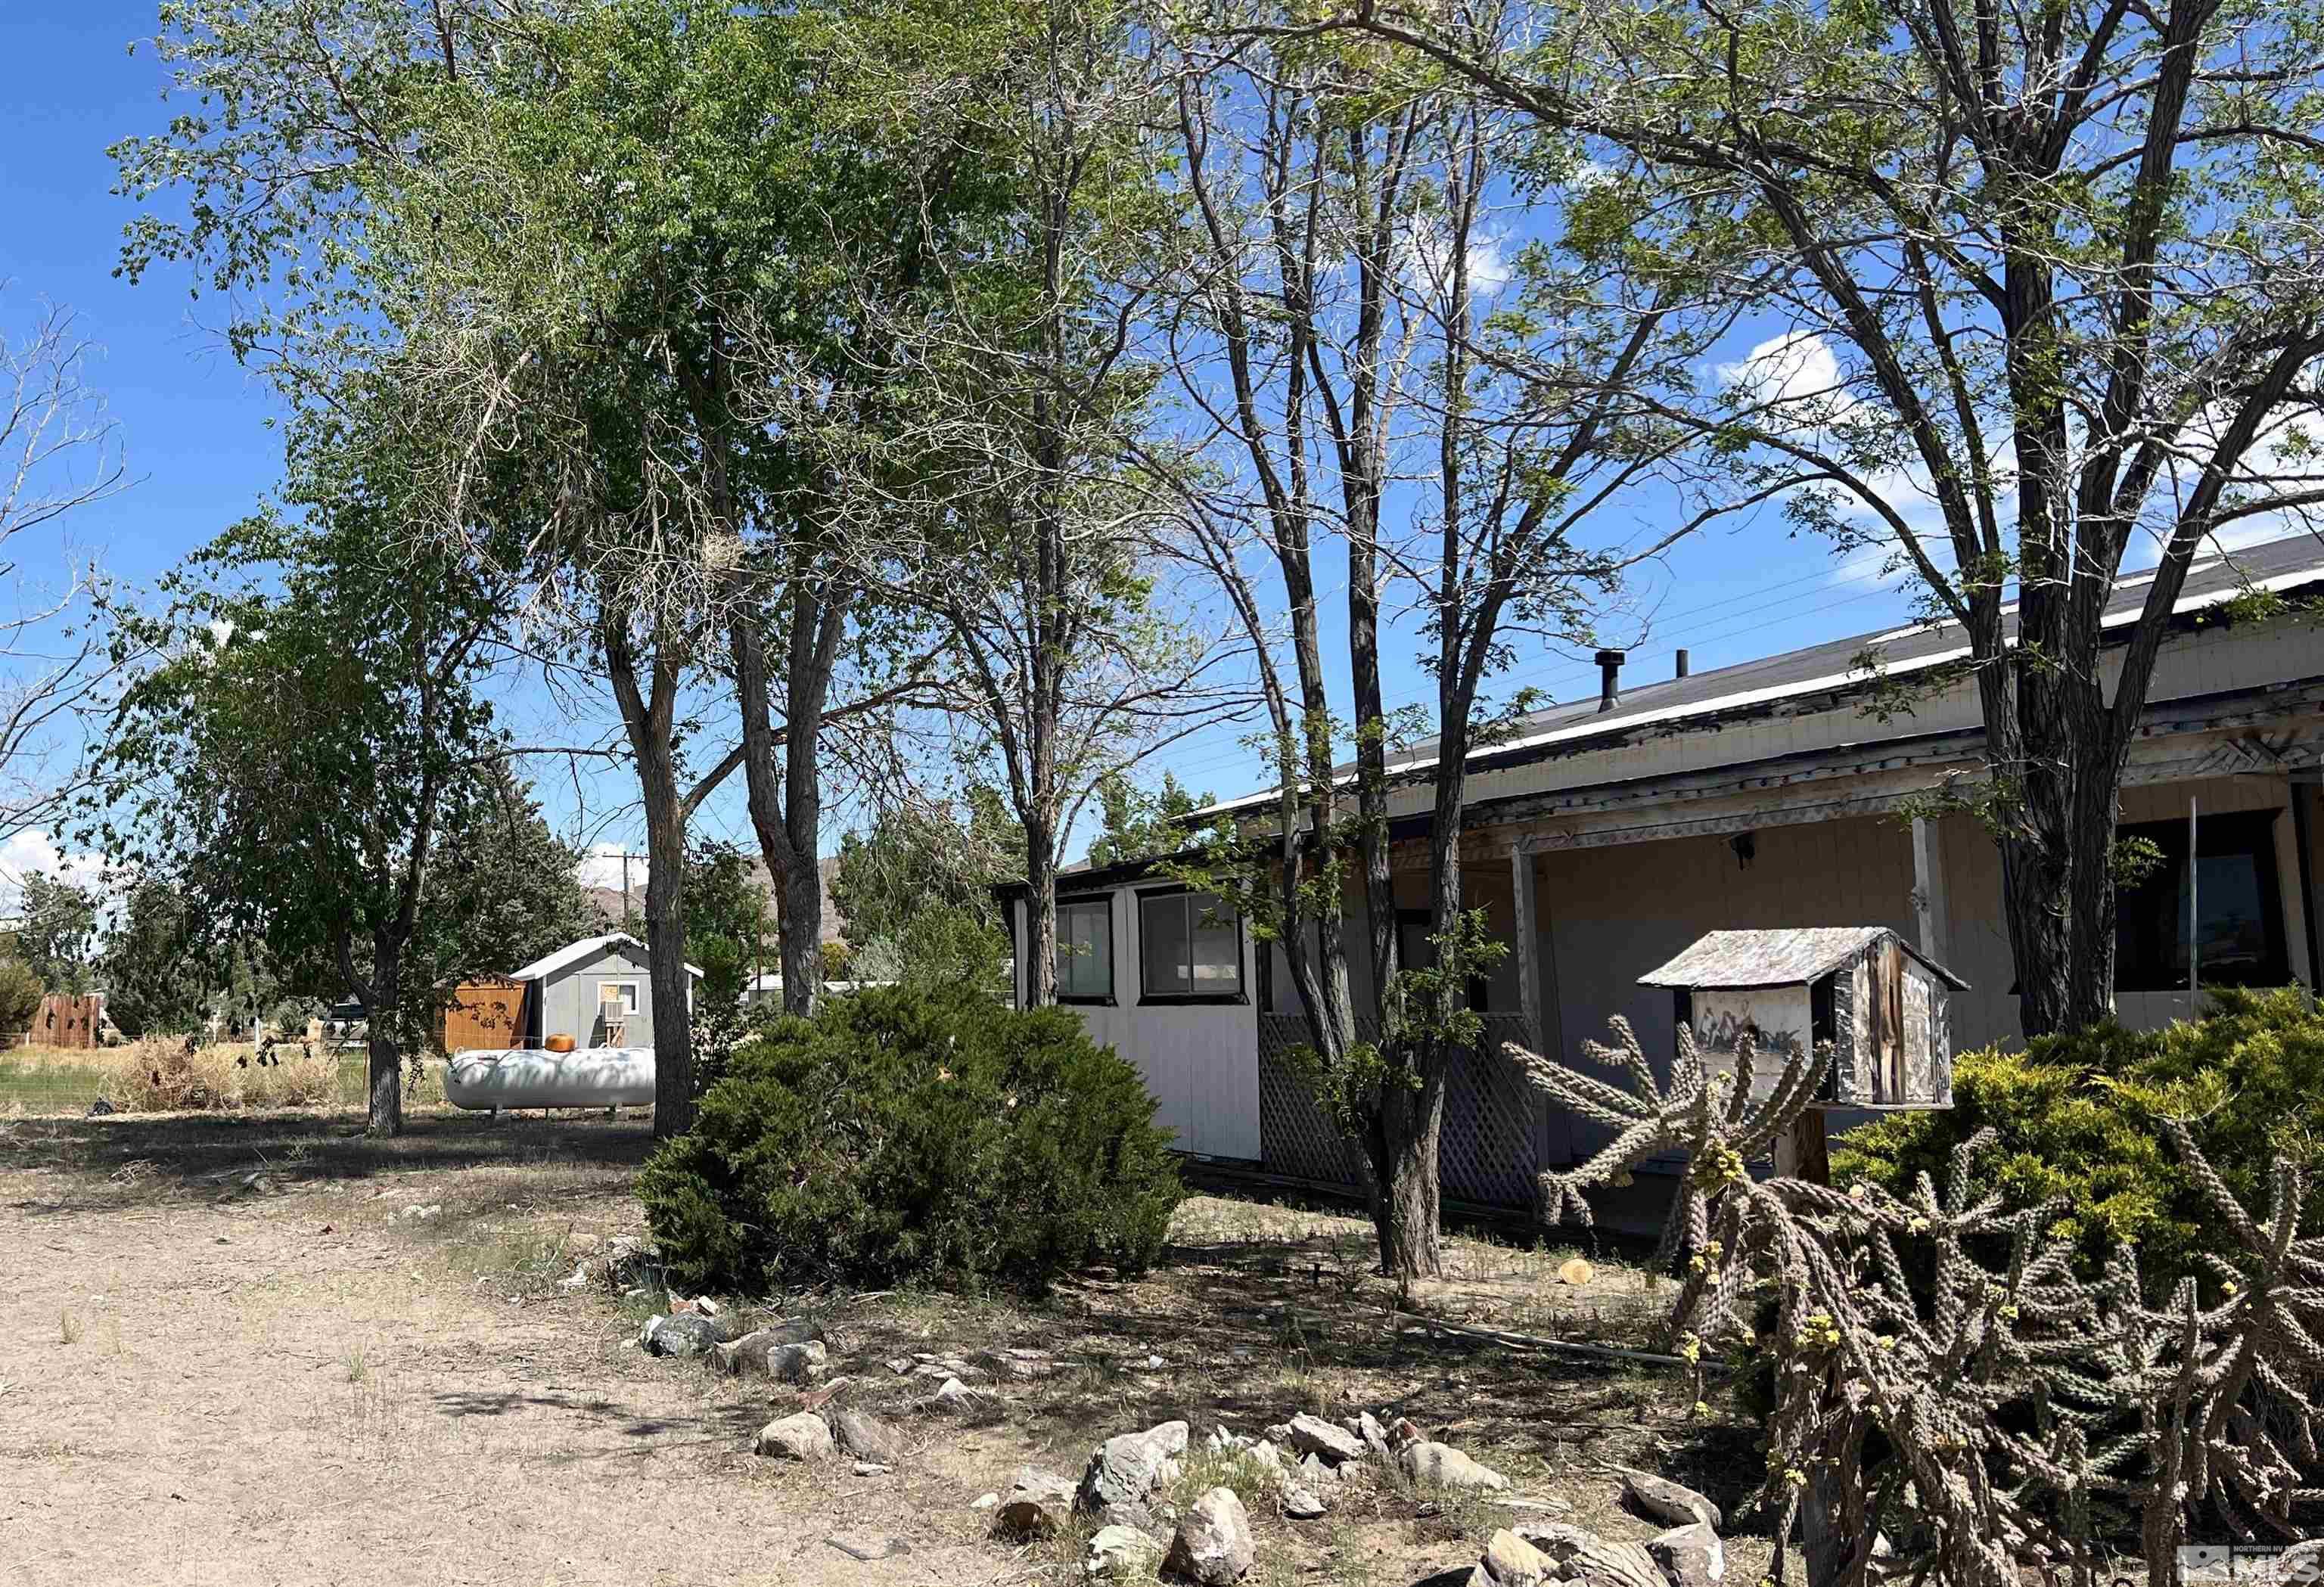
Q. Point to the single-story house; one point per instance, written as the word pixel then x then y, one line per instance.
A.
pixel 1605 835
pixel 595 991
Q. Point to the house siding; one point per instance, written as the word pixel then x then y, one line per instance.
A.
pixel 570 999
pixel 1199 1061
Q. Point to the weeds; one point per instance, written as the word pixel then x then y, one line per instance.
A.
pixel 358 1365
pixel 68 1327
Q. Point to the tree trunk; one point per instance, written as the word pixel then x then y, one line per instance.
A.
pixel 650 722
pixel 384 1010
pixel 1041 920
pixel 666 972
pixel 786 804
pixel 2057 853
pixel 800 930
pixel 1405 1189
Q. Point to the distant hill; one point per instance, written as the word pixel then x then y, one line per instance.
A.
pixel 609 905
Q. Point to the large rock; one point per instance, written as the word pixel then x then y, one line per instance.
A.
pixel 1314 1435
pixel 1690 1556
pixel 1439 1465
pixel 1659 1498
pixel 1366 1426
pixel 1129 1467
pixel 685 1336
pixel 1509 1561
pixel 1022 1364
pixel 773 1353
pixel 1301 1503
pixel 1584 1557
pixel 957 1399
pixel 1315 1469
pixel 801 1437
pixel 1214 1547
pixel 866 1437
pixel 1036 1504
pixel 1120 1551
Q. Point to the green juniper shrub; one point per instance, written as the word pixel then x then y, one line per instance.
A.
pixel 2076 1117
pixel 904 1136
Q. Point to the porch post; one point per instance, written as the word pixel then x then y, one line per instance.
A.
pixel 1931 918
pixel 1553 1133
pixel 1526 931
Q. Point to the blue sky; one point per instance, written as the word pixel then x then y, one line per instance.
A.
pixel 201 450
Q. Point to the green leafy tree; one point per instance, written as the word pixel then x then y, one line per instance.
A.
pixel 20 997
pixel 505 890
pixel 917 894
pixel 56 936
pixel 162 975
pixel 308 732
pixel 2052 276
pixel 1140 823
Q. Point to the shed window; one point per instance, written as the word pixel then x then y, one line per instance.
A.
pixel 619 998
pixel 1085 949
pixel 2238 916
pixel 1190 946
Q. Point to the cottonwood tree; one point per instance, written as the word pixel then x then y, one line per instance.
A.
pixel 580 245
pixel 1349 325
pixel 307 730
pixel 1284 346
pixel 2044 294
pixel 1011 463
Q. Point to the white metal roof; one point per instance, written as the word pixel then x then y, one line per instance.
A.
pixel 1833 665
pixel 576 952
pixel 1735 959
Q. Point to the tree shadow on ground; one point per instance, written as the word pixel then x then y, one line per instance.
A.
pixel 134 1159
pixel 1249 1333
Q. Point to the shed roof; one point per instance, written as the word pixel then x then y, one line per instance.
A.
pixel 578 953
pixel 1778 958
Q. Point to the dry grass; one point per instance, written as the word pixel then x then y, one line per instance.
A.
pixel 160 1075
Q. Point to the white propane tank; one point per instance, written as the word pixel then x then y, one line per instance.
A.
pixel 586 1077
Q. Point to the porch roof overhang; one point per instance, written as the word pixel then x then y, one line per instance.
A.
pixel 2275 730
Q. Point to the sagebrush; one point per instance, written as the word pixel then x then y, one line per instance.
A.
pixel 900 1138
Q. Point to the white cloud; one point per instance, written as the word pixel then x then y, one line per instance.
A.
pixel 1796 372
pixel 601 866
pixel 28 853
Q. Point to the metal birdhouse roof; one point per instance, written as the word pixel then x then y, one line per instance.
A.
pixel 1778 958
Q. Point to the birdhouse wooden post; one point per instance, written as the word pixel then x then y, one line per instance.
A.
pixel 1880 1002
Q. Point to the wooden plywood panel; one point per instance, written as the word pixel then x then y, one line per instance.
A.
pixel 484 1015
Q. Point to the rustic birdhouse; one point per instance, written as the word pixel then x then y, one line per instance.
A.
pixel 1878 1000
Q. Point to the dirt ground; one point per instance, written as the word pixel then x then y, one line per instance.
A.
pixel 363 1367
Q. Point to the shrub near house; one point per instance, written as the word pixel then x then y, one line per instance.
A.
pixel 2076 1118
pixel 902 1138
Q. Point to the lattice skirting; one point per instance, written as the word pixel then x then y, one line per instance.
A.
pixel 1489 1150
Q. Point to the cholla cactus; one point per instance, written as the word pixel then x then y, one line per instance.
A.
pixel 1949 1396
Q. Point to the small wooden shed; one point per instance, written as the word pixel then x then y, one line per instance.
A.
pixel 1879 1002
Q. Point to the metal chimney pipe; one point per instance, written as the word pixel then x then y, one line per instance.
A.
pixel 1682 663
pixel 1610 669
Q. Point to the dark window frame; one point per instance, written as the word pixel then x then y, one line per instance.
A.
pixel 1240 994
pixel 2150 917
pixel 1096 1000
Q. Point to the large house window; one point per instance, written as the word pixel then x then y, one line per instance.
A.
pixel 1190 946
pixel 2238 916
pixel 1085 949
